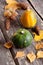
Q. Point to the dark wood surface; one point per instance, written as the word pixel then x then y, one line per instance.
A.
pixel 5 53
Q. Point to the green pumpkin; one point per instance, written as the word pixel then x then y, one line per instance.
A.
pixel 22 38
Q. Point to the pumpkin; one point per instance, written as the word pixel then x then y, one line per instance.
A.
pixel 28 19
pixel 22 38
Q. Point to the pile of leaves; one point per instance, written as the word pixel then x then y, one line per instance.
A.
pixel 10 10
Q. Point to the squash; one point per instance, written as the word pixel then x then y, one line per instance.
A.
pixel 28 19
pixel 22 38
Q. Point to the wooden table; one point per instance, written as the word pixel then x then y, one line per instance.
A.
pixel 7 56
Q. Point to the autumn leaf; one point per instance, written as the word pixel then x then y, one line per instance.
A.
pixel 7 13
pixel 10 9
pixel 13 6
pixel 31 56
pixel 8 45
pixel 13 16
pixel 20 54
pixel 10 1
pixel 39 45
pixel 40 54
pixel 39 37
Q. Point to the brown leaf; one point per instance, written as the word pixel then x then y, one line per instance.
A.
pixel 10 10
pixel 31 56
pixel 13 6
pixel 20 54
pixel 22 5
pixel 10 1
pixel 39 45
pixel 7 13
pixel 8 45
pixel 13 17
pixel 40 54
pixel 36 29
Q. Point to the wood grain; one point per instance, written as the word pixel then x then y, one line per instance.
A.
pixel 38 5
pixel 23 60
pixel 5 55
pixel 15 25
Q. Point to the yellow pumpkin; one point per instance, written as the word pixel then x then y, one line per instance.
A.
pixel 28 19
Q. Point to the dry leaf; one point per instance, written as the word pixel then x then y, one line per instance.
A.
pixel 23 5
pixel 20 54
pixel 10 1
pixel 39 45
pixel 10 10
pixel 8 45
pixel 13 6
pixel 13 16
pixel 39 37
pixel 31 56
pixel 7 13
pixel 40 54
pixel 36 29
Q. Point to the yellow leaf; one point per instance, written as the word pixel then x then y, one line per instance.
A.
pixel 7 13
pixel 8 45
pixel 12 6
pixel 39 37
pixel 31 56
pixel 19 54
pixel 40 54
pixel 10 1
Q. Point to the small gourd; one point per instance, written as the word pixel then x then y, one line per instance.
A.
pixel 28 19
